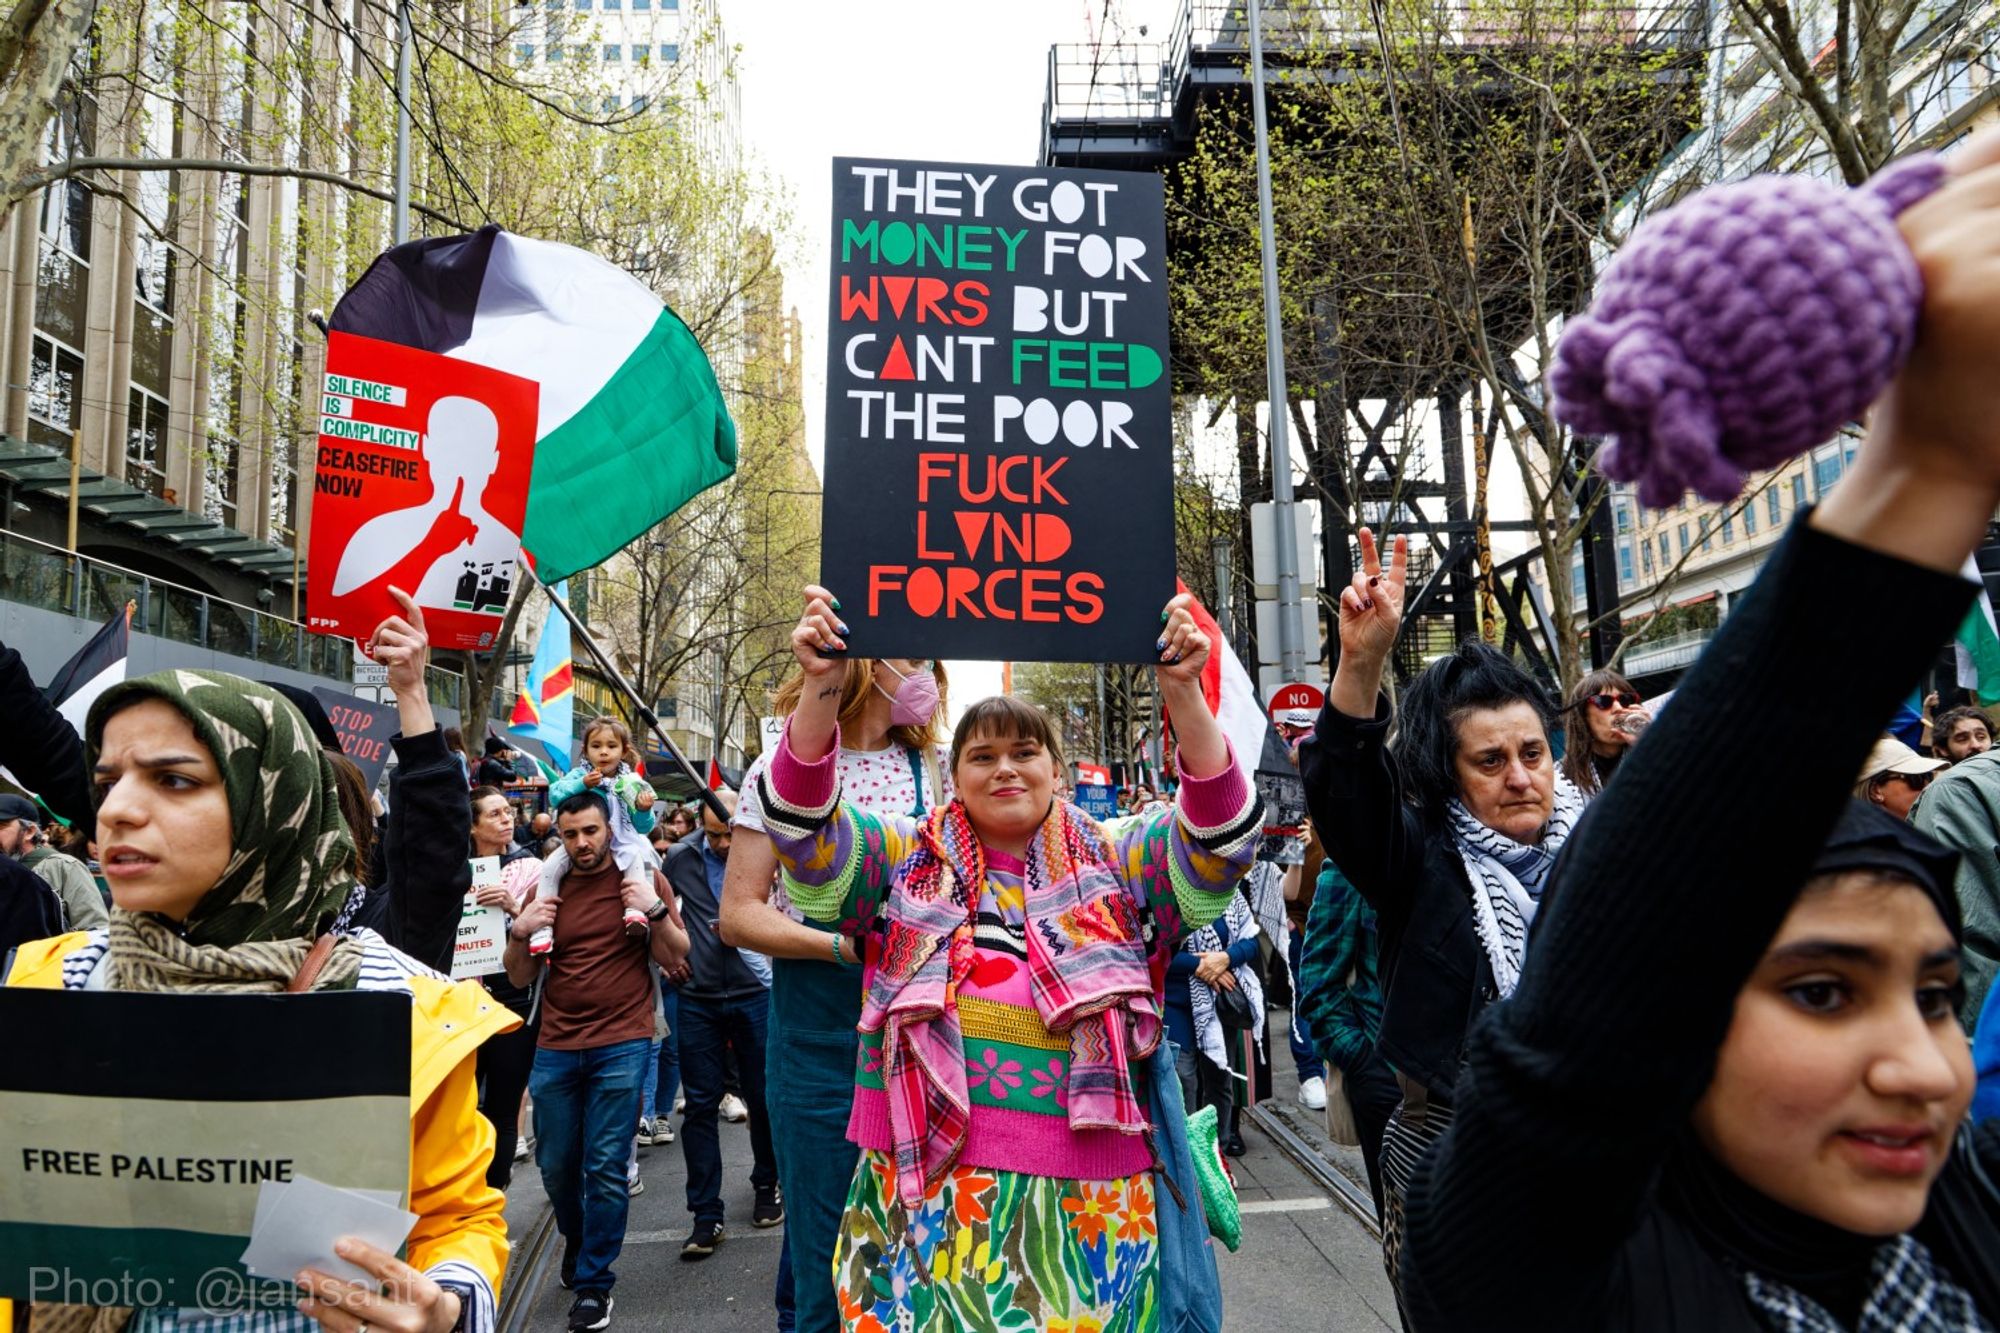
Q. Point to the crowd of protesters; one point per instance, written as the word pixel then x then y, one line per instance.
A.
pixel 1644 1014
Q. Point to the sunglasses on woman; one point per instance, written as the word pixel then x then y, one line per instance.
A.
pixel 1604 703
pixel 1915 781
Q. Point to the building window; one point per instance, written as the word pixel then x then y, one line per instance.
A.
pixel 670 4
pixel 1728 528
pixel 65 221
pixel 639 101
pixel 146 443
pixel 1646 558
pixel 524 52
pixel 642 4
pixel 583 4
pixel 555 52
pixel 670 52
pixel 1771 507
pixel 284 480
pixel 1624 517
pixel 218 492
pixel 1684 539
pixel 1577 587
pixel 1750 520
pixel 614 53
pixel 1798 491
pixel 55 381
pixel 1707 543
pixel 1666 552
pixel 1826 471
pixel 1626 574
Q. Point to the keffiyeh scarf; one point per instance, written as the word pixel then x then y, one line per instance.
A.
pixel 1086 970
pixel 1911 1295
pixel 1507 879
pixel 1208 1034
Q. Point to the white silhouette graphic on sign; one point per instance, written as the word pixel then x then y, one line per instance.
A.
pixel 461 452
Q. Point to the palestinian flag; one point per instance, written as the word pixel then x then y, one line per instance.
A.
pixel 97 666
pixel 632 423
pixel 1978 645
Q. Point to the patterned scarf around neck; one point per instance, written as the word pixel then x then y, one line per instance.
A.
pixel 1507 879
pixel 1910 1295
pixel 1086 970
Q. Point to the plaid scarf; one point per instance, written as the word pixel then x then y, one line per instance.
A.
pixel 1086 970
pixel 1911 1295
pixel 1507 878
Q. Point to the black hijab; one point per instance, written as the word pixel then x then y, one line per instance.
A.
pixel 1751 1232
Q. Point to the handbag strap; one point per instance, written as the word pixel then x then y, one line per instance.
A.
pixel 313 965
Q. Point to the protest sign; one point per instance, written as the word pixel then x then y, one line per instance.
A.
pixel 421 483
pixel 482 931
pixel 364 729
pixel 999 442
pixel 134 1143
pixel 1099 802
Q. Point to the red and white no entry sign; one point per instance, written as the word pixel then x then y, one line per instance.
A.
pixel 1296 695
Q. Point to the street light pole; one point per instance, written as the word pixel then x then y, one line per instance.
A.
pixel 400 215
pixel 1291 617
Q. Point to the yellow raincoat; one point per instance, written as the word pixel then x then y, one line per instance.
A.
pixel 459 1216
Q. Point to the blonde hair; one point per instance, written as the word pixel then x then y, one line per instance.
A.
pixel 854 688
pixel 606 722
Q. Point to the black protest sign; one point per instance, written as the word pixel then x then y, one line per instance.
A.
pixel 140 1134
pixel 999 440
pixel 364 729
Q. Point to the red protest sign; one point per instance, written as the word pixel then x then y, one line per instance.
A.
pixel 421 483
pixel 1298 694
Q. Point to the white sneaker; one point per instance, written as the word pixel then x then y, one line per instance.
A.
pixel 634 1186
pixel 733 1109
pixel 521 1149
pixel 663 1131
pixel 680 1102
pixel 1312 1094
pixel 645 1135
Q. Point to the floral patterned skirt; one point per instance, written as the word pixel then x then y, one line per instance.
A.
pixel 998 1250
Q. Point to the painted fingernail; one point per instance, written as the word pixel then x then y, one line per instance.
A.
pixel 1163 617
pixel 1160 646
pixel 1374 579
pixel 1368 605
pixel 843 628
pixel 836 603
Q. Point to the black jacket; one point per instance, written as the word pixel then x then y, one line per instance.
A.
pixel 29 909
pixel 496 772
pixel 716 970
pixel 1435 976
pixel 41 747
pixel 1543 1206
pixel 426 872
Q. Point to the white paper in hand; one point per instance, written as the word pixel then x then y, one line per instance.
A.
pixel 298 1221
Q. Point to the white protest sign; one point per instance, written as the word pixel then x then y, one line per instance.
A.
pixel 482 931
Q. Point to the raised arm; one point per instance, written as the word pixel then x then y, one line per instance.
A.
pixel 1656 916
pixel 1352 788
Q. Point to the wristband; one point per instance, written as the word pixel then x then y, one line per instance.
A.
pixel 658 911
pixel 838 960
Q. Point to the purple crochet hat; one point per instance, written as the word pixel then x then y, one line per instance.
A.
pixel 1742 327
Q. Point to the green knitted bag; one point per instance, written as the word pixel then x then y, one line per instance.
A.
pixel 1218 1188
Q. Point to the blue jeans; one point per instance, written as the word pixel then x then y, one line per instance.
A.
pixel 663 1075
pixel 586 1103
pixel 814 1007
pixel 708 1029
pixel 1303 1055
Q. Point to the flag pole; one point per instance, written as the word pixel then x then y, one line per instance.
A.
pixel 644 710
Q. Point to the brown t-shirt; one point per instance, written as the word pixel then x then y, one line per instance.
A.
pixel 598 990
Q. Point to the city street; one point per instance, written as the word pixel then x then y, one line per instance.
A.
pixel 1305 1261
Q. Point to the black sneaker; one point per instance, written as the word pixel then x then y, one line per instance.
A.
pixel 701 1244
pixel 770 1210
pixel 572 1246
pixel 589 1311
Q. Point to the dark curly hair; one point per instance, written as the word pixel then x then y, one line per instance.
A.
pixel 1472 676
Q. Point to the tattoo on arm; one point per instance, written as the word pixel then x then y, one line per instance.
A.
pixel 829 691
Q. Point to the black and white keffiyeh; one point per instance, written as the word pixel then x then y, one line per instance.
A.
pixel 1910 1295
pixel 1208 1035
pixel 1507 878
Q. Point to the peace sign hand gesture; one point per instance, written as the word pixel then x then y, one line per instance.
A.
pixel 1371 607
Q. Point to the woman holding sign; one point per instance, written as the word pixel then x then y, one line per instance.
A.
pixel 1012 990
pixel 230 870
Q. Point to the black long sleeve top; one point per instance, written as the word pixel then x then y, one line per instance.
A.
pixel 1435 977
pixel 41 748
pixel 1539 1209
pixel 426 866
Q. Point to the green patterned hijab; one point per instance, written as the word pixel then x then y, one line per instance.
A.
pixel 290 865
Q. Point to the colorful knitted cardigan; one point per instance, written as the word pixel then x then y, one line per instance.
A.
pixel 1094 967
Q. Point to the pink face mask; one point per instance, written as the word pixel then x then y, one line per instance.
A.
pixel 916 698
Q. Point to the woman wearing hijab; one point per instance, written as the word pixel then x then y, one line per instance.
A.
pixel 1449 838
pixel 1596 729
pixel 219 830
pixel 1218 958
pixel 1012 986
pixel 1729 1093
